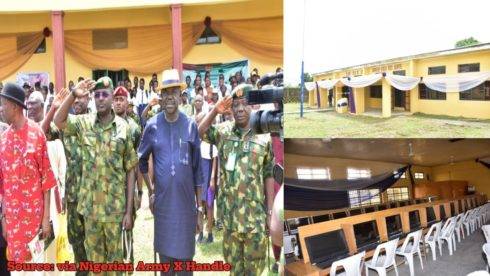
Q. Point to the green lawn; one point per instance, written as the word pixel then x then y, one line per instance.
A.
pixel 205 253
pixel 332 124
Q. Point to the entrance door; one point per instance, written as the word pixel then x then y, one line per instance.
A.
pixel 116 76
pixel 399 98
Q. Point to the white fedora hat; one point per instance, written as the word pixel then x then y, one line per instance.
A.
pixel 171 78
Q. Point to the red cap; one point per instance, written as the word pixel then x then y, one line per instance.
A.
pixel 121 91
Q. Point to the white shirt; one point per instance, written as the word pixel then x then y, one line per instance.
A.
pixel 205 150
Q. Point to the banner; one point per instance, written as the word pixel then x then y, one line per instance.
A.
pixel 32 78
pixel 227 69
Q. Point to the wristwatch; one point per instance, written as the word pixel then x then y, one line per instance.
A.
pixel 200 209
pixel 269 212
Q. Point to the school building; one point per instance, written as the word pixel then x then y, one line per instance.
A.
pixel 453 82
pixel 68 39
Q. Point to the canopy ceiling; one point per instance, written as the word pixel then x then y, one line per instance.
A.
pixel 425 152
pixel 72 5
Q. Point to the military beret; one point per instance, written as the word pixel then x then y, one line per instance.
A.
pixel 104 83
pixel 241 90
pixel 121 91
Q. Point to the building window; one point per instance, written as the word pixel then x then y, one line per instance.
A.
pixel 375 91
pixel 419 175
pixel 353 173
pixel 397 194
pixel 23 40
pixel 479 93
pixel 313 173
pixel 359 198
pixel 110 39
pixel 399 72
pixel 436 70
pixel 470 67
pixel 425 93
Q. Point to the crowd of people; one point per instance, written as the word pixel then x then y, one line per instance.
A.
pixel 91 147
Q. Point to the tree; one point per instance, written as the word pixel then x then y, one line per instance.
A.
pixel 466 42
pixel 307 77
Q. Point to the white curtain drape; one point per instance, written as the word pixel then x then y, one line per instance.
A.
pixel 456 83
pixel 327 84
pixel 310 85
pixel 361 81
pixel 403 83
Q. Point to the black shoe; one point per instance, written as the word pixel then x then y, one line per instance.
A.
pixel 275 268
pixel 210 238
pixel 200 238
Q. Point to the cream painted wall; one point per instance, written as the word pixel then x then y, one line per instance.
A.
pixel 476 174
pixel 452 106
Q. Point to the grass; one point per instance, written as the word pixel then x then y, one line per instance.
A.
pixel 205 253
pixel 332 124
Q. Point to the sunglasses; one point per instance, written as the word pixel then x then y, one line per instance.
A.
pixel 101 94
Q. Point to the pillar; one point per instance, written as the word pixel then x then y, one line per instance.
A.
pixel 58 50
pixel 386 101
pixel 177 36
pixel 359 96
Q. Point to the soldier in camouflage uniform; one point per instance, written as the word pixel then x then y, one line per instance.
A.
pixel 105 197
pixel 121 103
pixel 75 223
pixel 246 162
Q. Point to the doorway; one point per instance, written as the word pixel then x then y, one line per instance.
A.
pixel 401 99
pixel 116 76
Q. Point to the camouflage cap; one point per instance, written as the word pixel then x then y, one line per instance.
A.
pixel 104 83
pixel 241 90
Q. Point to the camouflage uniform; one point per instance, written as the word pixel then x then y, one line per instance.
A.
pixel 75 223
pixel 246 160
pixel 107 154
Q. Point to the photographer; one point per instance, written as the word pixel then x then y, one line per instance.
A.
pixel 247 190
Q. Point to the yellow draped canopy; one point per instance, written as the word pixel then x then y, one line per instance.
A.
pixel 14 53
pixel 149 49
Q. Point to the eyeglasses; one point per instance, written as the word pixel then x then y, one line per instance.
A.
pixel 101 94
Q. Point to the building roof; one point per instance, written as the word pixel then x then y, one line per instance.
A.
pixel 453 51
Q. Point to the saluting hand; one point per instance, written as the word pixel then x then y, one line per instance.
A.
pixel 224 104
pixel 83 88
pixel 59 97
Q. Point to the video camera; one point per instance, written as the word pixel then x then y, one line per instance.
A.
pixel 267 121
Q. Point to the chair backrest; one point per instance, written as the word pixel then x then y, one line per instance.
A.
pixel 436 228
pixel 445 226
pixel 352 265
pixel 390 248
pixel 486 232
pixel 486 250
pixel 412 237
pixel 459 220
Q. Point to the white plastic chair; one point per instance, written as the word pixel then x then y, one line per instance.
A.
pixel 459 227
pixel 486 250
pixel 381 263
pixel 469 222
pixel 410 247
pixel 352 265
pixel 447 234
pixel 432 237
pixel 486 232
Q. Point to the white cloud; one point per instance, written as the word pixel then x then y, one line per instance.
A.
pixel 345 33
